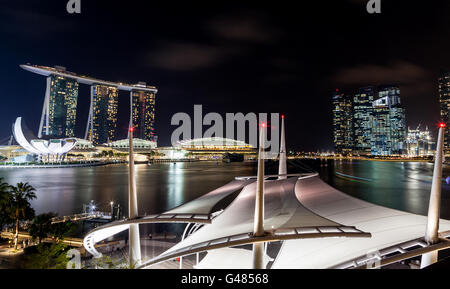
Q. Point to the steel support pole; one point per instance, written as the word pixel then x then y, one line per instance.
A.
pixel 282 169
pixel 258 229
pixel 431 233
pixel 134 245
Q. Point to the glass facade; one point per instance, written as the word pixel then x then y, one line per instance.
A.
pixel 104 114
pixel 342 123
pixel 372 122
pixel 420 143
pixel 444 101
pixel 143 109
pixel 388 123
pixel 62 110
pixel 362 118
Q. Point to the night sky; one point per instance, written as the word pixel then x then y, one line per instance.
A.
pixel 229 56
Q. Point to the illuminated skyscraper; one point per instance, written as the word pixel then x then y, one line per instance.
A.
pixel 444 100
pixel 362 120
pixel 143 114
pixel 102 121
pixel 420 142
pixel 59 111
pixel 388 125
pixel 60 107
pixel 342 123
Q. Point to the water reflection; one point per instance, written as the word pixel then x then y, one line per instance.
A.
pixel 159 186
pixel 400 185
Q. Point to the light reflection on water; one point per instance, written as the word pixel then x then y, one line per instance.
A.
pixel 160 186
pixel 400 185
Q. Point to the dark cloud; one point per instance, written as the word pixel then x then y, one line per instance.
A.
pixel 33 24
pixel 187 56
pixel 400 72
pixel 248 28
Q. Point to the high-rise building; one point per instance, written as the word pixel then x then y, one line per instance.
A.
pixel 444 100
pixel 143 114
pixel 420 142
pixel 60 107
pixel 362 120
pixel 59 111
pixel 388 123
pixel 103 114
pixel 371 122
pixel 342 122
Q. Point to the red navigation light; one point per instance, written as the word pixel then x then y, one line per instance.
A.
pixel 263 124
pixel 442 125
pixel 131 129
pixel 282 116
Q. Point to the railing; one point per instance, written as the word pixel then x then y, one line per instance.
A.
pixel 82 216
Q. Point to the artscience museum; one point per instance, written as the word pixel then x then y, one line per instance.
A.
pixel 49 149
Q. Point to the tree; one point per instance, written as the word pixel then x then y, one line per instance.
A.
pixel 4 199
pixel 19 206
pixel 46 256
pixel 41 226
pixel 60 230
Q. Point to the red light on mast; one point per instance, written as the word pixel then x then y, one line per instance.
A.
pixel 282 116
pixel 131 129
pixel 442 125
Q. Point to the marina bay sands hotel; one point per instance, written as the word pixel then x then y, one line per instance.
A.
pixel 60 106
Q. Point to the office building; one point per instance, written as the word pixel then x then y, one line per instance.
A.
pixel 362 118
pixel 143 114
pixel 342 123
pixel 388 123
pixel 444 101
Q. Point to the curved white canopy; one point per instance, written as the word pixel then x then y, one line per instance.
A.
pixel 387 226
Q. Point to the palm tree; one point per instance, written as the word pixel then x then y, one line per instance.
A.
pixel 19 205
pixel 4 198
pixel 4 189
pixel 41 226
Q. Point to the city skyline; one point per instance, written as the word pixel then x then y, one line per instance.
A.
pixel 369 122
pixel 206 57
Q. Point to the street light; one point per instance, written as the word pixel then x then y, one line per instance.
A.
pixel 112 209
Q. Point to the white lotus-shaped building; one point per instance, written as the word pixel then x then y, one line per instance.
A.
pixel 58 147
